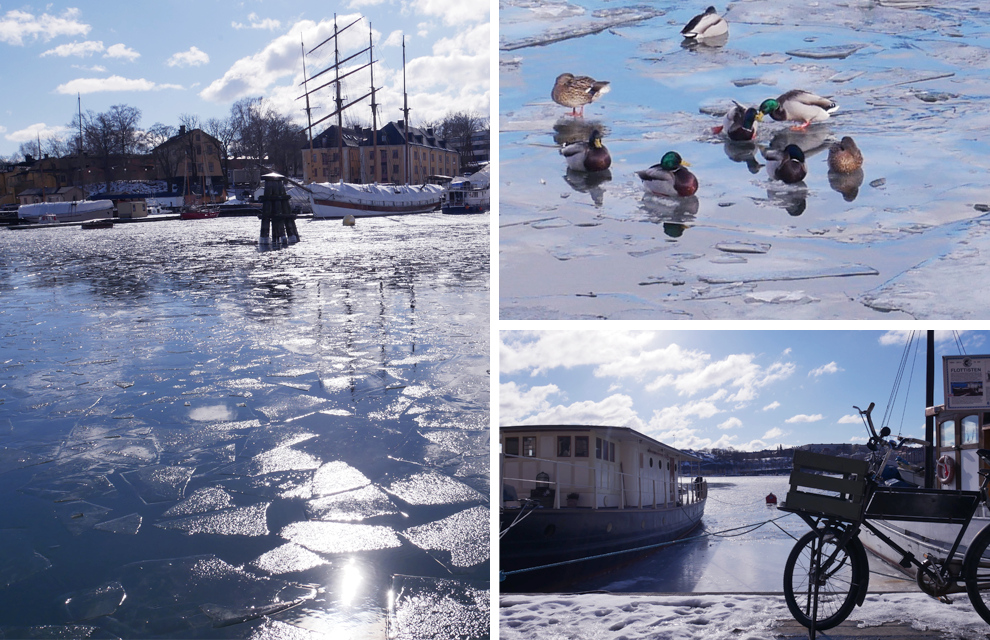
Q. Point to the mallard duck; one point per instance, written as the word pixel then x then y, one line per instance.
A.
pixel 670 178
pixel 587 156
pixel 576 91
pixel 798 105
pixel 739 123
pixel 786 165
pixel 706 25
pixel 844 156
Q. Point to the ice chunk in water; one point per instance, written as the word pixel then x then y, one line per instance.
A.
pixel 464 535
pixel 279 459
pixel 201 501
pixel 159 483
pixel 288 558
pixel 19 560
pixel 127 524
pixel 336 477
pixel 80 516
pixel 93 603
pixel 51 632
pixel 439 609
pixel 360 504
pixel 333 537
pixel 245 521
pixel 433 488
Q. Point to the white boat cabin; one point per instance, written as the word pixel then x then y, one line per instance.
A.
pixel 596 467
pixel 958 435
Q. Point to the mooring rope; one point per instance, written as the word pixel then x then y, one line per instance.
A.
pixel 502 575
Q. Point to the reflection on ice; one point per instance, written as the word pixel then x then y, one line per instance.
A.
pixel 333 537
pixel 288 558
pixel 243 521
pixel 93 603
pixel 129 524
pixel 438 609
pixel 360 504
pixel 159 483
pixel 433 488
pixel 451 533
pixel 201 500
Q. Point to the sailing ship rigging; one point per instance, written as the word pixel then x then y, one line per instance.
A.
pixel 344 197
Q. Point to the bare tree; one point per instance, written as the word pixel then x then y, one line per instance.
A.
pixel 166 157
pixel 110 136
pixel 30 148
pixel 457 128
pixel 265 135
pixel 223 130
pixel 190 121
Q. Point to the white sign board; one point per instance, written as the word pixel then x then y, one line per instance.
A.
pixel 967 382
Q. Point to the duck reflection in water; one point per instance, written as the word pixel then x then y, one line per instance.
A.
pixel 744 152
pixel 568 130
pixel 590 183
pixel 676 215
pixel 847 184
pixel 793 198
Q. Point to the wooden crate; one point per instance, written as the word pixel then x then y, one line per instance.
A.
pixel 838 494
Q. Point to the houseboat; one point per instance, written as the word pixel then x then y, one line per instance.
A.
pixel 574 492
pixel 470 193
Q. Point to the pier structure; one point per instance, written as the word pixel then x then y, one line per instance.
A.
pixel 278 223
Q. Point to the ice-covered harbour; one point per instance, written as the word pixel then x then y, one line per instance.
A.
pixel 897 242
pixel 199 439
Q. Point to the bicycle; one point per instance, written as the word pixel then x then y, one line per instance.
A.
pixel 827 572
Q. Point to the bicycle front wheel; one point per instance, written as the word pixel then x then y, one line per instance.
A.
pixel 976 573
pixel 814 561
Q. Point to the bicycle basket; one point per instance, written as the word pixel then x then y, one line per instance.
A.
pixel 827 485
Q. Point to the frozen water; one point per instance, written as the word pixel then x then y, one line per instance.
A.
pixel 449 534
pixel 242 521
pixel 332 537
pixel 93 603
pixel 910 85
pixel 80 516
pixel 129 524
pixel 433 488
pixel 388 330
pixel 439 609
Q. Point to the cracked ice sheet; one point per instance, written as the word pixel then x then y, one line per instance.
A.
pixel 441 609
pixel 288 558
pixel 333 537
pixel 360 504
pixel 433 488
pixel 463 535
pixel 19 560
pixel 923 290
pixel 243 521
pixel 160 483
pixel 93 603
pixel 171 597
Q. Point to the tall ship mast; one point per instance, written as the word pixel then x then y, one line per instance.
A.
pixel 340 197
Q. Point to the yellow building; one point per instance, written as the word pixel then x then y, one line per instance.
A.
pixel 397 162
pixel 191 157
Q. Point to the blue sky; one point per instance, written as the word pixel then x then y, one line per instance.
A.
pixel 180 56
pixel 699 389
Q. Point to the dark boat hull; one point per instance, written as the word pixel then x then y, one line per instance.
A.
pixel 548 536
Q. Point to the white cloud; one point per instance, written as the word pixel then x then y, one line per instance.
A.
pixel 394 39
pixel 731 423
pixel 192 58
pixel 257 23
pixel 831 367
pixel 253 75
pixel 773 433
pixel 804 418
pixel 516 403
pixel 113 83
pixel 852 418
pixel 95 68
pixel 613 411
pixel 16 25
pixel 33 132
pixel 453 11
pixel 121 51
pixel 80 49
pixel 3 129
pixel 355 4
pixel 900 337
pixel 770 407
pixel 858 439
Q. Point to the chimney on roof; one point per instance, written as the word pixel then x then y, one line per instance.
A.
pixel 182 129
pixel 401 124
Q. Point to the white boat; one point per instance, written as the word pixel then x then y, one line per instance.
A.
pixel 469 193
pixel 79 211
pixel 339 199
pixel 572 492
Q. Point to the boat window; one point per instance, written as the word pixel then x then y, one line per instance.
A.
pixel 651 462
pixel 512 446
pixel 611 452
pixel 580 446
pixel 598 448
pixel 947 434
pixel 563 446
pixel 529 446
pixel 971 430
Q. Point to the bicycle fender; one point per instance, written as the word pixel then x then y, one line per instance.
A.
pixel 862 580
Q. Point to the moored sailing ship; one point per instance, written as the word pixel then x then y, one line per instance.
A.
pixel 342 198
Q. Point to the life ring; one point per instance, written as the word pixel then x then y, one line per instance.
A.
pixel 946 469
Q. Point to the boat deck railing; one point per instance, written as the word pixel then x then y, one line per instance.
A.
pixel 600 487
